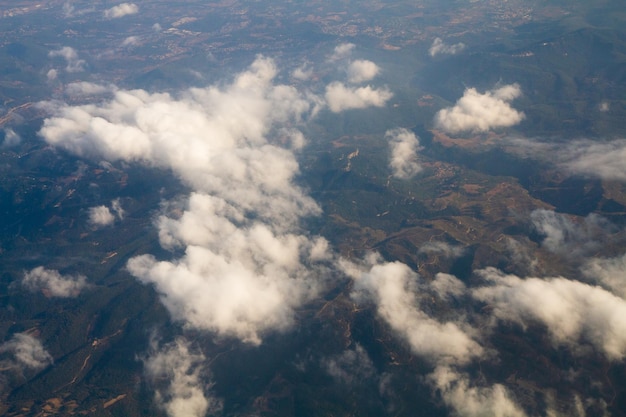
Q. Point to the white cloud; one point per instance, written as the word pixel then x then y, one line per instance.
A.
pixel 339 97
pixel 443 248
pixel 404 146
pixel 605 160
pixel 74 64
pixel 302 73
pixel 440 47
pixel 121 10
pixel 446 286
pixel 565 236
pixel 247 264
pixel 392 287
pixel 10 138
pixel 101 216
pixel 478 112
pixel 26 351
pixel 342 51
pixel 473 401
pixel 116 205
pixel 130 41
pixel 84 88
pixel 52 283
pixel 362 70
pixel 186 392
pixel 572 311
pixel 52 74
pixel 609 272
pixel 600 159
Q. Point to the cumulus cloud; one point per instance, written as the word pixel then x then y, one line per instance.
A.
pixel 130 41
pixel 565 236
pixel 404 146
pixel 10 138
pixel 101 216
pixel 342 51
pixel 185 393
pixel 573 312
pixel 52 74
pixel 52 283
pixel 25 352
pixel 247 264
pixel 392 287
pixel 302 73
pixel 476 112
pixel 121 10
pixel 74 64
pixel 340 97
pixel 439 47
pixel 362 70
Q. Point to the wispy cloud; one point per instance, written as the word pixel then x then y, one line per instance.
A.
pixel 569 235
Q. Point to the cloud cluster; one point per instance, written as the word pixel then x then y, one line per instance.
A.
pixel 439 47
pixel 121 10
pixel 572 311
pixel 476 112
pixel 246 263
pixel 340 97
pixel 74 63
pixel 186 392
pixel 392 287
pixel 52 283
pixel 362 70
pixel 404 146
